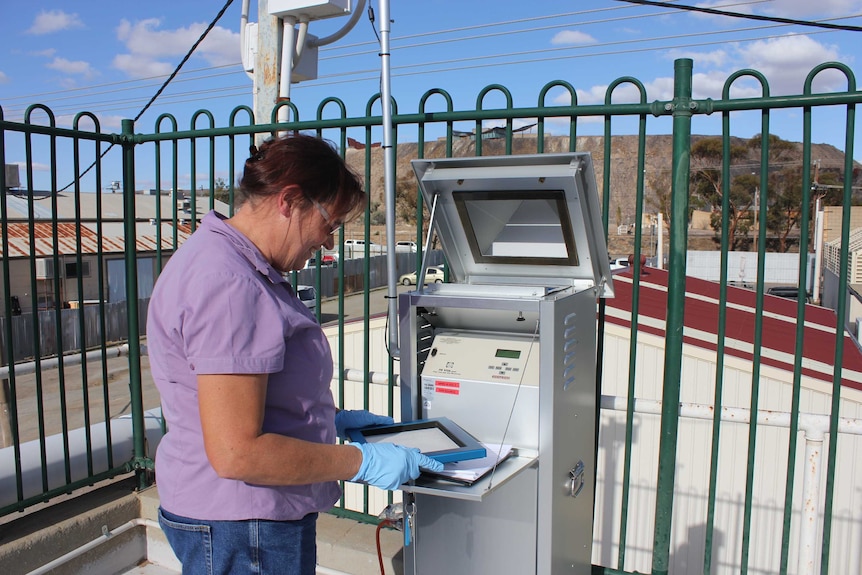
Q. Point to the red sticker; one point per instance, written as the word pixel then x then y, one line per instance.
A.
pixel 453 384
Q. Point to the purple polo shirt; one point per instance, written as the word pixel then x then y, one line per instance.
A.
pixel 220 307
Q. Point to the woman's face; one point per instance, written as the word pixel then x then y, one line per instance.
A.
pixel 310 229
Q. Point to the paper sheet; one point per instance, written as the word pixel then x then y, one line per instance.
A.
pixel 472 469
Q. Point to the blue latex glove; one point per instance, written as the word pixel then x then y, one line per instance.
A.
pixel 357 419
pixel 386 465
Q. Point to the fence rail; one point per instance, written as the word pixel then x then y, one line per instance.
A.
pixel 652 342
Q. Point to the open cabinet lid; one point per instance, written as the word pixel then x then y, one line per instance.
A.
pixel 523 220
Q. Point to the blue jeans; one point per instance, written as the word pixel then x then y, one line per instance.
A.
pixel 251 546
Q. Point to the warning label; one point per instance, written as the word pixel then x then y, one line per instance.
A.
pixel 449 387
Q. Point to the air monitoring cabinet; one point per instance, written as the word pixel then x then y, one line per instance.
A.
pixel 507 351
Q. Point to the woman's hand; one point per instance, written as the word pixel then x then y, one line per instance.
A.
pixel 386 465
pixel 346 419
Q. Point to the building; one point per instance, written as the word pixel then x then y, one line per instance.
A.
pixel 56 263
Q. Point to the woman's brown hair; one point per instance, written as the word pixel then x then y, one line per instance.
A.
pixel 308 162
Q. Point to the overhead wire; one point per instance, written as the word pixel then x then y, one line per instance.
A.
pixel 718 12
pixel 554 53
pixel 160 90
pixel 30 97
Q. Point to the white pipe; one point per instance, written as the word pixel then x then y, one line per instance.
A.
pixel 354 18
pixel 660 250
pixel 329 571
pixel 818 251
pixel 71 359
pixel 810 502
pixel 131 524
pixel 388 172
pixel 810 423
pixel 288 43
pixel 359 376
pixel 106 535
pixel 300 40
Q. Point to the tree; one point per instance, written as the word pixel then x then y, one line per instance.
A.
pixel 707 158
pixel 221 191
pixel 406 199
pixel 785 209
pixel 743 189
pixel 659 200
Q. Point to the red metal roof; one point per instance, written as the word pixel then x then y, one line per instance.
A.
pixel 778 334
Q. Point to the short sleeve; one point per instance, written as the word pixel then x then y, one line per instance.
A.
pixel 235 326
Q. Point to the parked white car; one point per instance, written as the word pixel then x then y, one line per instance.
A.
pixel 408 247
pixel 307 295
pixel 433 275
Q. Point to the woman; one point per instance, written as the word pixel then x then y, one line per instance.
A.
pixel 244 371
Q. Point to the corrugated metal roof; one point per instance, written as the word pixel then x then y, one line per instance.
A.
pixel 67 240
pixel 111 208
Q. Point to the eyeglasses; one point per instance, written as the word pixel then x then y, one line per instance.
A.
pixel 333 226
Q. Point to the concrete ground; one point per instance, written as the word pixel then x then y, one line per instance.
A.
pixel 92 531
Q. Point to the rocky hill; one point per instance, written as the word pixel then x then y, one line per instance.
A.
pixel 623 165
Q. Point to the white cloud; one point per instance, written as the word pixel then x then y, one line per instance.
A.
pixel 36 166
pixel 107 123
pixel 821 8
pixel 140 67
pixel 786 62
pixel 72 67
pixel 714 58
pixel 3 78
pixel 568 37
pixel 154 52
pixel 46 53
pixel 50 21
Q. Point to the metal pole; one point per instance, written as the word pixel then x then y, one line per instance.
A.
pixel 818 251
pixel 388 177
pixel 682 108
pixel 266 66
pixel 136 398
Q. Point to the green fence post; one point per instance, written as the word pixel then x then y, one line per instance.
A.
pixel 136 399
pixel 682 108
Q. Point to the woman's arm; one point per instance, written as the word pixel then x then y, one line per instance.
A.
pixel 232 411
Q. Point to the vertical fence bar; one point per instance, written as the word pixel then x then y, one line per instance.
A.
pixel 682 107
pixel 34 300
pixel 136 398
pixel 8 387
pixel 839 328
pixel 82 325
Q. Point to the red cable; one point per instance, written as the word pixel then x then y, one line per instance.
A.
pixel 385 522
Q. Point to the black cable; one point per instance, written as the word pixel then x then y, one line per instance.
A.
pixel 371 20
pixel 716 12
pixel 185 58
pixel 161 89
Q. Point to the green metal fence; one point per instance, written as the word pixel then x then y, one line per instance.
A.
pixel 169 150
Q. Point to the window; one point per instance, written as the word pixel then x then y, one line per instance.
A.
pixel 72 269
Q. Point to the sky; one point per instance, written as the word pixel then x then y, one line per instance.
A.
pixel 109 58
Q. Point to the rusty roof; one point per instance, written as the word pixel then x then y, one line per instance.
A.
pixel 68 235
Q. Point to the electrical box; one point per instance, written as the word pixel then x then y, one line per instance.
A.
pixel 306 68
pixel 13 176
pixel 312 9
pixel 303 70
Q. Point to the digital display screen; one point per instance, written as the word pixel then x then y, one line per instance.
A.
pixel 508 353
